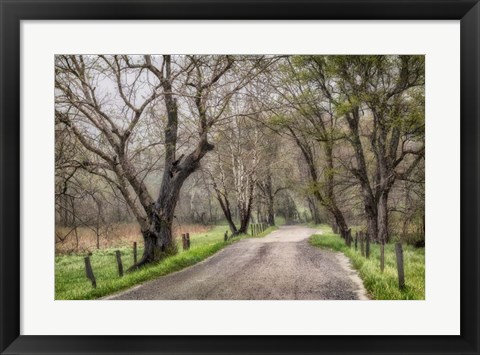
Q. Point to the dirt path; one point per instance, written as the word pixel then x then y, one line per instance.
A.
pixel 282 265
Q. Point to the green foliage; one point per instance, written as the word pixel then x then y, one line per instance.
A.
pixel 342 108
pixel 312 187
pixel 381 286
pixel 72 284
pixel 279 121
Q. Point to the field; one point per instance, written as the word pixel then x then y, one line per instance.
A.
pixel 72 284
pixel 84 239
pixel 381 286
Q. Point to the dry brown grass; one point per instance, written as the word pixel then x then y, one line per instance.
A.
pixel 113 236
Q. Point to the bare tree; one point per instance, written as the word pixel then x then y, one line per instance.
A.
pixel 233 172
pixel 106 123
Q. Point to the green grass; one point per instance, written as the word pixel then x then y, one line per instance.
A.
pixel 72 284
pixel 381 286
pixel 324 228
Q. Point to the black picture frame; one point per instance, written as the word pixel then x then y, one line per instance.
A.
pixel 13 12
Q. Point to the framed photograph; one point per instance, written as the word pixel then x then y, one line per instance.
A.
pixel 239 177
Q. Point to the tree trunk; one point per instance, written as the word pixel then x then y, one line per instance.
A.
pixel 361 173
pixel 340 221
pixel 225 206
pixel 158 237
pixel 313 210
pixel 229 218
pixel 371 216
pixel 151 249
pixel 244 225
pixel 330 194
pixel 271 213
pixel 270 197
pixel 246 211
pixel 383 218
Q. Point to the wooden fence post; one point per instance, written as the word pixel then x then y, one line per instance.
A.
pixel 134 253
pixel 225 236
pixel 382 256
pixel 184 241
pixel 367 246
pixel 251 229
pixel 119 263
pixel 401 274
pixel 362 245
pixel 89 272
pixel 356 240
pixel 348 238
pixel 188 240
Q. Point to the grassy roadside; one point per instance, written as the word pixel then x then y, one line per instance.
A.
pixel 381 286
pixel 72 284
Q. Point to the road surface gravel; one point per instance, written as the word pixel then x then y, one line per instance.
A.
pixel 280 266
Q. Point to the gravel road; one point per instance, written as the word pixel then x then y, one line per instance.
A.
pixel 280 266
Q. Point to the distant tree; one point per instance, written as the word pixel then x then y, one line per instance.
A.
pixel 307 117
pixel 233 171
